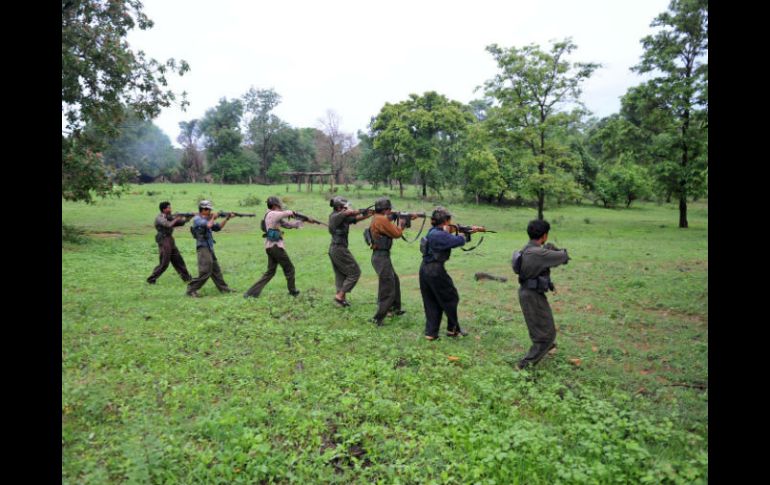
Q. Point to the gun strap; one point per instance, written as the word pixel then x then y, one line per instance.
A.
pixel 418 234
pixel 474 247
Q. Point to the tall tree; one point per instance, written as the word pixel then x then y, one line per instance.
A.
pixel 391 137
pixel 673 106
pixel 263 126
pixel 222 138
pixel 102 80
pixel 142 145
pixel 193 165
pixel 533 91
pixel 337 143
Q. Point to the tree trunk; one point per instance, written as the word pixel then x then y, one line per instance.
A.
pixel 540 202
pixel 424 185
pixel 400 188
pixel 477 198
pixel 683 212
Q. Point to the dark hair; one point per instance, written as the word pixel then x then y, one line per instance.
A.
pixel 273 201
pixel 439 216
pixel 164 204
pixel 537 228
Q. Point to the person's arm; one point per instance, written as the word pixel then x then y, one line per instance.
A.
pixel 442 240
pixel 280 215
pixel 550 257
pixel 216 226
pixel 163 221
pixel 388 229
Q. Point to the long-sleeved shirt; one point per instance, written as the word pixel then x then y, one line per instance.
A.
pixel 165 224
pixel 536 259
pixel 381 226
pixel 441 242
pixel 208 240
pixel 339 225
pixel 274 219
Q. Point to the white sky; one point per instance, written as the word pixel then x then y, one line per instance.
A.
pixel 353 56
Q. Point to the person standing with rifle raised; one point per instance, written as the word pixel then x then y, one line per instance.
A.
pixel 208 266
pixel 165 223
pixel 439 294
pixel 275 249
pixel 346 269
pixel 533 265
pixel 379 236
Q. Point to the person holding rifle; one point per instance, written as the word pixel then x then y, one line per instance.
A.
pixel 208 266
pixel 165 223
pixel 346 269
pixel 274 247
pixel 439 294
pixel 533 264
pixel 380 239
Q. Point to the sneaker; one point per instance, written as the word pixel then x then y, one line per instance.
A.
pixel 294 293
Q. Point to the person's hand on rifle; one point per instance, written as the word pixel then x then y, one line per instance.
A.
pixel 477 229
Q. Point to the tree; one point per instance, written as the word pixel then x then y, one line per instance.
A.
pixel 624 182
pixel 673 106
pixel 336 144
pixel 222 136
pixel 422 136
pixel 142 145
pixel 263 126
pixel 193 165
pixel 531 89
pixel 102 80
pixel 391 137
pixel 479 169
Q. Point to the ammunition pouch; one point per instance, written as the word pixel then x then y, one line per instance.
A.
pixel 198 232
pixel 540 284
pixel 274 235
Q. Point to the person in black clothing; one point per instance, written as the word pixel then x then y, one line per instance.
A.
pixel 439 294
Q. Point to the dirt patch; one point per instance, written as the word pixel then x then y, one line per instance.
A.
pixel 106 234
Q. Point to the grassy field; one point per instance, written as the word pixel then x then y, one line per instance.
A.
pixel 160 388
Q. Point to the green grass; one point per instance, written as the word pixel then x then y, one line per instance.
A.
pixel 159 388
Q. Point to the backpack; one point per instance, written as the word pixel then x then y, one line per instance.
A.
pixel 516 262
pixel 368 237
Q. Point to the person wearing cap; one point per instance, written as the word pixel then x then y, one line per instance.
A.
pixel 439 294
pixel 275 249
pixel 383 231
pixel 346 269
pixel 208 266
pixel 167 250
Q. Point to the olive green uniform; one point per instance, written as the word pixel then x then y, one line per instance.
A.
pixel 537 261
pixel 346 269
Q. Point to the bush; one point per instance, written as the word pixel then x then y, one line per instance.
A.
pixel 72 234
pixel 250 201
pixel 153 192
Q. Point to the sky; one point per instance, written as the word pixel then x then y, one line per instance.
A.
pixel 352 57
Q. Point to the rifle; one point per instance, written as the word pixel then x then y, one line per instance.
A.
pixel 407 218
pixel 304 218
pixel 234 214
pixel 364 212
pixel 183 214
pixel 467 231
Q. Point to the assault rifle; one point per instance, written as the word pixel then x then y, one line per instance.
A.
pixel 406 216
pixel 304 218
pixel 467 231
pixel 234 214
pixel 364 212
pixel 183 214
